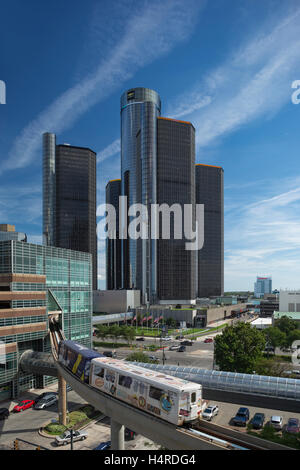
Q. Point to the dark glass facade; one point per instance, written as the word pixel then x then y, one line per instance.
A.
pixel 113 246
pixel 140 108
pixel 210 192
pixel 176 266
pixel 69 191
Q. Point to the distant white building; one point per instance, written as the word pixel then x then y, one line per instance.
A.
pixel 262 286
pixel 261 323
pixel 289 301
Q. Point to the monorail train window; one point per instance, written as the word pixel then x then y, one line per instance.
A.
pixel 193 397
pixel 98 371
pixel 125 381
pixel 155 393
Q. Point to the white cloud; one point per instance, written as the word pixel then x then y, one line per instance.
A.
pixel 167 23
pixel 264 238
pixel 254 82
pixel 109 151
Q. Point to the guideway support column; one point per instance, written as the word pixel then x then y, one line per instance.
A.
pixel 62 400
pixel 116 435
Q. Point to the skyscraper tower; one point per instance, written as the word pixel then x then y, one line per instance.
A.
pixel 210 192
pixel 113 246
pixel 69 198
pixel 140 108
pixel 176 266
pixel 49 184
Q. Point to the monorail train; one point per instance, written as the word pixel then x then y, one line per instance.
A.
pixel 76 358
pixel 170 398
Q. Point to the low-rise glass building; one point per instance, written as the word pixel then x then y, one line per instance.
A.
pixel 36 281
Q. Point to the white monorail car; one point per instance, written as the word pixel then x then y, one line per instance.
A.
pixel 169 398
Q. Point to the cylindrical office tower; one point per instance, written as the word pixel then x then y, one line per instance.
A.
pixel 49 146
pixel 140 108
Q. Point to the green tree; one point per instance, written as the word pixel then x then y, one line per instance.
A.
pixel 272 367
pixel 274 336
pixel 102 331
pixel 139 357
pixel 294 335
pixel 114 332
pixel 286 324
pixel 238 348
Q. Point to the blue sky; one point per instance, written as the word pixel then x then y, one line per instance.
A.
pixel 225 65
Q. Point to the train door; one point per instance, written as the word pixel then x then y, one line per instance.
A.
pixel 195 404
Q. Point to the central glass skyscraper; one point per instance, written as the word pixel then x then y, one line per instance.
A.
pixel 140 108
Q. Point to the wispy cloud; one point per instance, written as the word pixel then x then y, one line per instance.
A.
pixel 109 151
pixel 166 23
pixel 255 81
pixel 264 238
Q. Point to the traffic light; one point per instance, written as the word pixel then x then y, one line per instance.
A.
pixel 16 444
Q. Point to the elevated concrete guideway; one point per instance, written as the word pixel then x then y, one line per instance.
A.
pixel 166 434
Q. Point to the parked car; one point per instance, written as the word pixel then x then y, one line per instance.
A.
pixel 293 426
pixel 65 438
pixel 276 422
pixel 179 337
pixel 4 413
pixel 103 446
pixel 48 400
pixel 210 412
pixel 269 349
pixel 153 358
pixel 69 388
pixel 241 417
pixel 258 420
pixel 182 348
pixel 141 338
pixel 166 338
pixel 23 405
pixel 129 435
pixel 208 340
pixel 187 342
pixel 44 395
pixel 109 354
pixel 174 348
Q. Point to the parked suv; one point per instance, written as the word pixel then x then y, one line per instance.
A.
pixel 210 412
pixel 241 417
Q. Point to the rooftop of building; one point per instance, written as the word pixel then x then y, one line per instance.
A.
pixel 292 315
pixel 211 166
pixel 175 120
pixel 68 146
pixel 7 228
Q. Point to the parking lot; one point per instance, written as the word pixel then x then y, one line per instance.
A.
pixel 227 411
